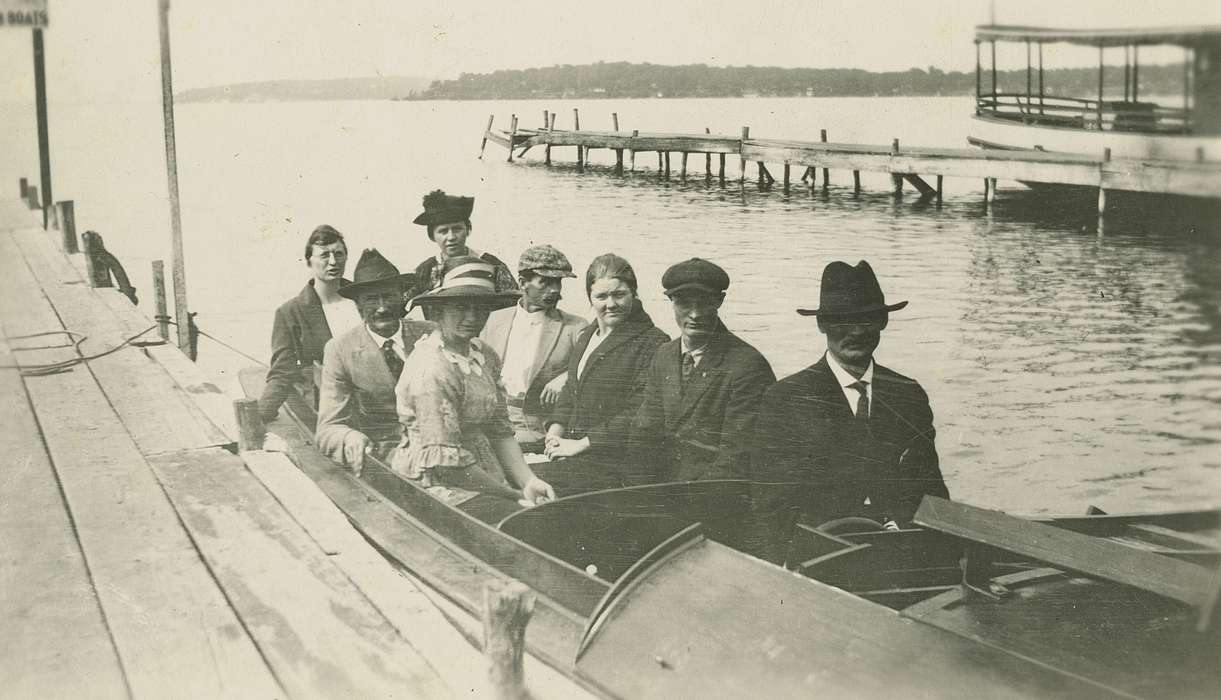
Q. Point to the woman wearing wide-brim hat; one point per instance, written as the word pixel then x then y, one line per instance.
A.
pixel 458 440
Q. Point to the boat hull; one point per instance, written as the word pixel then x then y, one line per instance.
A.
pixel 990 132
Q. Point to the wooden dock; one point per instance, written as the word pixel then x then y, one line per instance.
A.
pixel 142 555
pixel 905 164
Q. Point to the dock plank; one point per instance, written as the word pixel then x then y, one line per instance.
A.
pixel 171 625
pixel 46 594
pixel 155 410
pixel 319 633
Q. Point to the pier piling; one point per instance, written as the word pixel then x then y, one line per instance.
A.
pixel 667 165
pixel 251 430
pixel 32 197
pixel 66 214
pixel 707 160
pixel 512 135
pixel 483 144
pixel 635 134
pixel 856 182
pixel 742 168
pixel 615 121
pixel 507 608
pixel 939 178
pixel 721 169
pixel 25 186
pixel 826 172
pixel 786 178
pixel 163 311
pixel 684 166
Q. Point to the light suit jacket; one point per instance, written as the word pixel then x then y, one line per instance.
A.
pixel 357 389
pixel 556 341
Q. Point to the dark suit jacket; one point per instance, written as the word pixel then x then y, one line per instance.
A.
pixel 701 430
pixel 357 389
pixel 807 433
pixel 601 403
pixel 297 337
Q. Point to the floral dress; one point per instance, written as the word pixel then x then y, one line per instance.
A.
pixel 451 407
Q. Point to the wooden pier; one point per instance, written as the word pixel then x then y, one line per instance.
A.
pixel 144 555
pixel 905 164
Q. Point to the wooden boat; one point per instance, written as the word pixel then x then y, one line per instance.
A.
pixel 639 596
pixel 1128 125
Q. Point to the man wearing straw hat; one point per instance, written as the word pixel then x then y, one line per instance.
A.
pixel 356 413
pixel 534 340
pixel 846 436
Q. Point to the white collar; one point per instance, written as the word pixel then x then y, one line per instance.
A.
pixel 697 353
pixel 844 377
pixel 474 362
pixel 380 340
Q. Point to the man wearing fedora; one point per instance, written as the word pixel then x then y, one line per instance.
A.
pixel 534 340
pixel 701 390
pixel 356 405
pixel 845 436
pixel 447 219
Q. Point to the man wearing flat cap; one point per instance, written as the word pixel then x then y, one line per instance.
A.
pixel 356 404
pixel 447 219
pixel 534 340
pixel 702 388
pixel 844 436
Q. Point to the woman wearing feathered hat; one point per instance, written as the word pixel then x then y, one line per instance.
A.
pixel 448 222
pixel 456 431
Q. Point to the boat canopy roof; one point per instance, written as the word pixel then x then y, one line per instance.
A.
pixel 1195 35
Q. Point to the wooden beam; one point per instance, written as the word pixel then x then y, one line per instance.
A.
pixel 484 143
pixel 921 186
pixel 512 135
pixel 1091 556
pixel 251 431
pixel 507 608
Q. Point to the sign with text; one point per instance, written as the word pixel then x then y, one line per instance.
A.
pixel 24 14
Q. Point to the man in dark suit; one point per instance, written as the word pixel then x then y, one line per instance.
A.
pixel 356 404
pixel 702 388
pixel 844 436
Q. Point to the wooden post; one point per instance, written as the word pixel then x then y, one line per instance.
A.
pixel 576 119
pixel 40 108
pixel 826 172
pixel 742 169
pixel 786 177
pixel 938 190
pixel 615 121
pixel 856 182
pixel 684 166
pixel 894 147
pixel 33 200
pixel 551 126
pixel 250 428
pixel 707 160
pixel 618 161
pixel 721 170
pixel 512 134
pixel 97 273
pixel 546 118
pixel 182 316
pixel 483 144
pixel 661 164
pixel 897 182
pixel 576 126
pixel 67 225
pixel 25 186
pixel 506 613
pixel 635 133
pixel 51 218
pixel 1102 206
pixel 667 165
pixel 163 314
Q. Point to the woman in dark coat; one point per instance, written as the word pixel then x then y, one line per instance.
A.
pixel 606 375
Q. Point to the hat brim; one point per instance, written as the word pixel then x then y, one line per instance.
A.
pixel 693 286
pixel 549 272
pixel 442 217
pixel 353 289
pixel 852 312
pixel 471 293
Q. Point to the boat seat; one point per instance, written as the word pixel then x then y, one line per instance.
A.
pixel 986 531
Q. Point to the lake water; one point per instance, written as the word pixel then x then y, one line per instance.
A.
pixel 1065 368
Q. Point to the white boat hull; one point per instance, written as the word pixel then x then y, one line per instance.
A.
pixel 988 132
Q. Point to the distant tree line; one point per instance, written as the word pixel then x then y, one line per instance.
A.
pixel 625 80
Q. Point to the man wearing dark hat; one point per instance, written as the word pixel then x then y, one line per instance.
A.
pixel 846 436
pixel 356 406
pixel 534 340
pixel 448 222
pixel 702 388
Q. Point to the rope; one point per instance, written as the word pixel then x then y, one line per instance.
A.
pixel 67 365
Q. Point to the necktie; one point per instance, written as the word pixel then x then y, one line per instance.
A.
pixel 688 366
pixel 393 361
pixel 862 401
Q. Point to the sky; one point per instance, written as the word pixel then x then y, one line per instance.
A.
pixel 106 48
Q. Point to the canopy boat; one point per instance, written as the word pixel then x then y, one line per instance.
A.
pixel 642 595
pixel 1129 124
